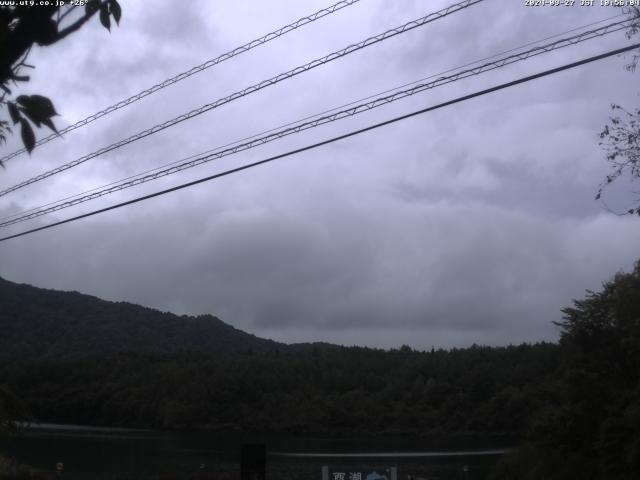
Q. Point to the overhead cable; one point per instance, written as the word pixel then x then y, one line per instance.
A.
pixel 192 71
pixel 331 140
pixel 302 126
pixel 254 88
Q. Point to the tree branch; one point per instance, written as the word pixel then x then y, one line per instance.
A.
pixel 77 24
pixel 69 10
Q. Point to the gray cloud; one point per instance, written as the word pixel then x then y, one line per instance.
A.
pixel 472 224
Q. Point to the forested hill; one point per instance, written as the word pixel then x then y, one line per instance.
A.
pixel 74 358
pixel 38 323
pixel 576 404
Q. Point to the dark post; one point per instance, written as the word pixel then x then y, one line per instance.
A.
pixel 59 469
pixel 252 462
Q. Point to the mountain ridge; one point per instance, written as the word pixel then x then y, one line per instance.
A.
pixel 46 323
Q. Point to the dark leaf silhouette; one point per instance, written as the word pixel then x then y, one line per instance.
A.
pixel 116 11
pixel 91 7
pixel 49 123
pixel 28 138
pixel 33 117
pixel 38 109
pixel 47 32
pixel 104 16
pixel 13 112
pixel 42 105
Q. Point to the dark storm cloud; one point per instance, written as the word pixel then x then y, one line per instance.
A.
pixel 474 224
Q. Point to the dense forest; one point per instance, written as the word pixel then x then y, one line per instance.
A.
pixel 351 390
pixel 590 428
pixel 574 406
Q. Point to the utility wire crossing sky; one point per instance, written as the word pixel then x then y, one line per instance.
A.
pixel 335 139
pixel 192 71
pixel 252 89
pixel 502 62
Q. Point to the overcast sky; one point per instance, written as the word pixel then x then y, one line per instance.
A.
pixel 472 224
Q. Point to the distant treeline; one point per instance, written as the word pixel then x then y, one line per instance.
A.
pixel 350 390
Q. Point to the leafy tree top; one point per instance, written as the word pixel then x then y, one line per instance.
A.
pixel 22 27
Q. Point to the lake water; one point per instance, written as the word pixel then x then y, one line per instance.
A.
pixel 118 454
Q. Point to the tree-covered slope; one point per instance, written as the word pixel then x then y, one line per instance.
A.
pixel 74 358
pixel 343 391
pixel 40 323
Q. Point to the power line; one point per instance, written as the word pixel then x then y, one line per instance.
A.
pixel 254 88
pixel 353 102
pixel 302 126
pixel 332 140
pixel 104 190
pixel 192 71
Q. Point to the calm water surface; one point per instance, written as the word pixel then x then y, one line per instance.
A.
pixel 115 454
